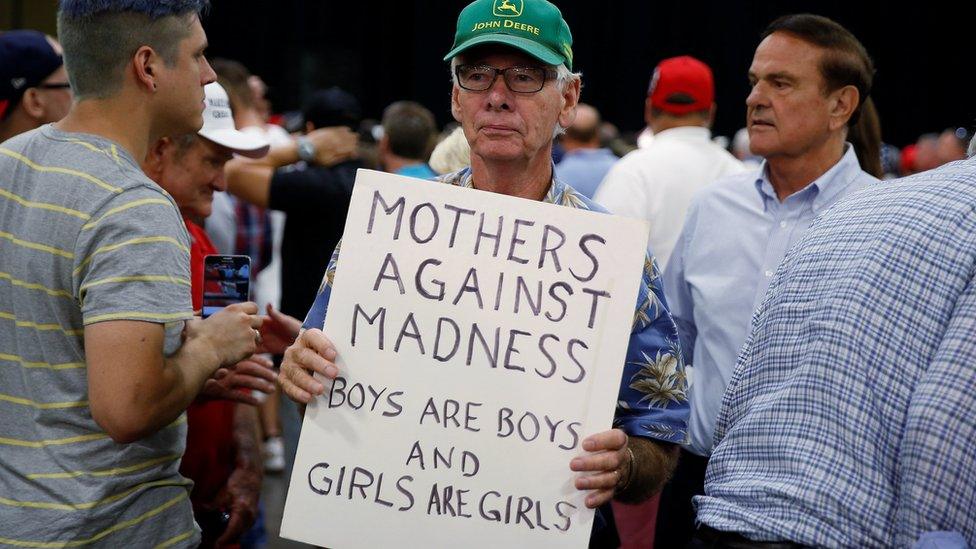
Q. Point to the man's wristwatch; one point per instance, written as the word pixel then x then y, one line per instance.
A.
pixel 306 150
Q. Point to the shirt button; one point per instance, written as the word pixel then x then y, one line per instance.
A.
pixel 782 224
pixel 769 274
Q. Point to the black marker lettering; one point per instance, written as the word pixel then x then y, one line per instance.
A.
pixel 597 294
pixel 416 453
pixel 564 515
pixel 582 371
pixel 398 206
pixel 511 350
pixel 496 237
pixel 520 288
pixel 470 285
pixel 413 222
pixel 396 406
pixel 595 263
pixel 551 249
pixel 437 283
pixel 437 339
pixel 457 218
pixel 313 479
pixel 405 492
pixel 414 334
pixel 516 241
pixel 380 313
pixel 552 363
pixel 395 276
pixel 562 302
pixel 491 353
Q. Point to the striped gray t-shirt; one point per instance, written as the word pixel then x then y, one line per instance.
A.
pixel 85 237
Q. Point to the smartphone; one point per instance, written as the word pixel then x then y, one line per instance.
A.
pixel 226 280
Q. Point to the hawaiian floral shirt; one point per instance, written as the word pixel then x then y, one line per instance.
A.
pixel 652 402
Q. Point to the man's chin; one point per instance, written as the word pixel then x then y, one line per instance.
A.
pixel 191 125
pixel 499 151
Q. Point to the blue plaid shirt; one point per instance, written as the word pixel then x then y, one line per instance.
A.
pixel 652 401
pixel 849 419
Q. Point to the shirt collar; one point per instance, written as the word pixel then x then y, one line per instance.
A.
pixel 558 193
pixel 685 133
pixel 821 191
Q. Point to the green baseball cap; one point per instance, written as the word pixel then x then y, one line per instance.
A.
pixel 535 27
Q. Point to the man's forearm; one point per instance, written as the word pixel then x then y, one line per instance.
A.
pixel 184 374
pixel 250 179
pixel 653 464
pixel 246 437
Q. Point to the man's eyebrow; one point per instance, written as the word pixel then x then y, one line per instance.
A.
pixel 780 76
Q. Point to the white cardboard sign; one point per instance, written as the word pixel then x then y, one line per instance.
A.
pixel 480 338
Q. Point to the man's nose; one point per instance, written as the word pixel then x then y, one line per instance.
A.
pixel 756 97
pixel 220 182
pixel 499 96
pixel 207 74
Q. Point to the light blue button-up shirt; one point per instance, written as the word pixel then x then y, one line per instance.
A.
pixel 735 236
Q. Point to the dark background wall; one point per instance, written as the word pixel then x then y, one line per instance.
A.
pixel 388 50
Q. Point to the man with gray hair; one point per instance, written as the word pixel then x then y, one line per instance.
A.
pixel 513 91
pixel 100 354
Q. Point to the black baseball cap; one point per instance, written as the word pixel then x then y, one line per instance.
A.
pixel 26 59
pixel 333 107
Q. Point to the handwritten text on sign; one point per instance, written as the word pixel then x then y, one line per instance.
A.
pixel 480 338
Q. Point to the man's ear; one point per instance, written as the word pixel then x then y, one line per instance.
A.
pixel 571 97
pixel 456 103
pixel 156 158
pixel 843 103
pixel 145 67
pixel 32 103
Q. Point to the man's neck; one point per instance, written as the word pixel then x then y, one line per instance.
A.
pixel 528 179
pixel 788 175
pixel 117 119
pixel 16 124
pixel 659 125
pixel 394 163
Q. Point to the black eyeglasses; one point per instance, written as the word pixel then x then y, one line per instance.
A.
pixel 518 79
pixel 54 86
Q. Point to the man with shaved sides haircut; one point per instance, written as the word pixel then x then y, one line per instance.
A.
pixel 99 351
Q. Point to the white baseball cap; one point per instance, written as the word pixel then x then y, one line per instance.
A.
pixel 218 125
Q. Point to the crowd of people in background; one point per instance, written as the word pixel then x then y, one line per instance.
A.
pixel 113 192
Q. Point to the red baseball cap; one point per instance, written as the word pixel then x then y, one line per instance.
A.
pixel 681 85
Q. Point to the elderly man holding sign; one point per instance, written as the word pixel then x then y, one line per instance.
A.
pixel 513 92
